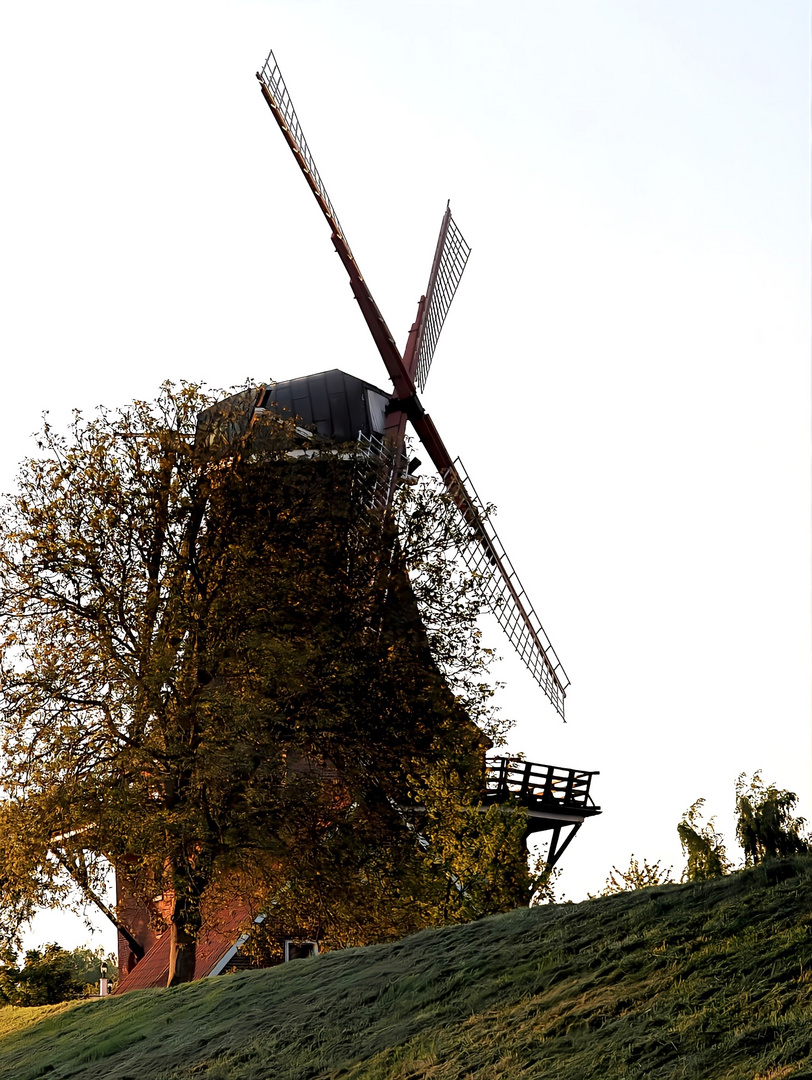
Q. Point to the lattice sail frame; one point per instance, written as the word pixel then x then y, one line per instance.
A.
pixel 504 592
pixel 447 269
pixel 270 76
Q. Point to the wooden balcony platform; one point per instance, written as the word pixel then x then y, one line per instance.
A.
pixel 553 797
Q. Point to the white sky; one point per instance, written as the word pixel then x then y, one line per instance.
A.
pixel 625 370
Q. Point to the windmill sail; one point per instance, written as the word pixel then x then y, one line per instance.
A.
pixel 278 99
pixel 446 271
pixel 485 557
pixel 276 94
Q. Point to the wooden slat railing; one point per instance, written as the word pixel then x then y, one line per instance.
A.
pixel 533 784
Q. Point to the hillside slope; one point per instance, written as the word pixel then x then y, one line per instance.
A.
pixel 703 981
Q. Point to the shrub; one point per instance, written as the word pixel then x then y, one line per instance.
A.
pixel 635 877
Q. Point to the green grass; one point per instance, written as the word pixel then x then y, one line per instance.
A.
pixel 698 981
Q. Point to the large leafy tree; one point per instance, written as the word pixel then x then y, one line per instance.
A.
pixel 220 670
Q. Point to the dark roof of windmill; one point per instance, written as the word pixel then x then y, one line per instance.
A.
pixel 215 941
pixel 332 403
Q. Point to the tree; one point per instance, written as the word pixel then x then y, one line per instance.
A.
pixel 702 845
pixel 220 670
pixel 765 825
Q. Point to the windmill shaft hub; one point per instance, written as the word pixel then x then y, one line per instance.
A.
pixel 410 405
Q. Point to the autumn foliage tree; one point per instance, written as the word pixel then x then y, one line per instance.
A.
pixel 221 670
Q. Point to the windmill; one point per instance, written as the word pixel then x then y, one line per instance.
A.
pixel 341 408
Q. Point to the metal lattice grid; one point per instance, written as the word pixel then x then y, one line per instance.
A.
pixel 271 78
pixel 445 277
pixel 486 558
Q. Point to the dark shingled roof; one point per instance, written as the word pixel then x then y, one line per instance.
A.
pixel 336 404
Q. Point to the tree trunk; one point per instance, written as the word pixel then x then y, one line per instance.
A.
pixel 183 931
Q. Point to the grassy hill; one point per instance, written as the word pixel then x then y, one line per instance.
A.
pixel 703 981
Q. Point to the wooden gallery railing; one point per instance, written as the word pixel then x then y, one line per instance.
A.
pixel 539 786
